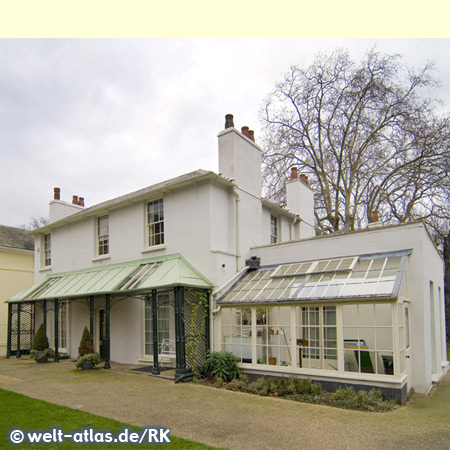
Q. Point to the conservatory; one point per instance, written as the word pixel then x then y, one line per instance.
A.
pixel 331 319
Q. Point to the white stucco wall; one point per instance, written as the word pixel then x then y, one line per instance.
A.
pixel 424 265
pixel 300 200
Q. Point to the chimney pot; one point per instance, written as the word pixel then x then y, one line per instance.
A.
pixel 375 217
pixel 229 123
pixel 245 132
pixel 75 199
pixel 304 178
pixel 252 135
pixel 294 173
pixel 57 193
pixel 81 201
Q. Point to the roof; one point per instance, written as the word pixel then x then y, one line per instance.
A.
pixel 155 189
pixel 356 277
pixel 129 277
pixel 11 237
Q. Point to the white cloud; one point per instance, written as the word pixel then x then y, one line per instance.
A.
pixel 100 118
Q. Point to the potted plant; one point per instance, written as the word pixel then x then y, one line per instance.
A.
pixel 87 361
pixel 87 357
pixel 40 346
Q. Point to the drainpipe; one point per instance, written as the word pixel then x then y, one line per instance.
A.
pixel 291 228
pixel 238 240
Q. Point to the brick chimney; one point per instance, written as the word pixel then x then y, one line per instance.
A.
pixel 245 132
pixel 304 178
pixel 59 209
pixel 229 123
pixel 300 200
pixel 374 221
pixel 240 158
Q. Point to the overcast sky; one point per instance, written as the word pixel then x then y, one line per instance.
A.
pixel 101 118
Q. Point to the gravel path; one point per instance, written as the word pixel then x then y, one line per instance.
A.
pixel 228 419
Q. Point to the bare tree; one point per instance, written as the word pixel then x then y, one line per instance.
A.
pixel 367 137
pixel 35 222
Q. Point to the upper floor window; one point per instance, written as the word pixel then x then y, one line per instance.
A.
pixel 47 250
pixel 155 223
pixel 103 235
pixel 273 229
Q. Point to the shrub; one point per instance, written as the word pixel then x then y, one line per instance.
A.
pixel 361 399
pixel 220 365
pixel 252 387
pixel 316 389
pixel 94 357
pixel 40 341
pixel 237 385
pixel 243 378
pixel 338 394
pixel 299 386
pixel 86 343
pixel 282 387
pixel 307 386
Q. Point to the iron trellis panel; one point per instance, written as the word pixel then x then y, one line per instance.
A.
pixel 195 316
pixel 22 337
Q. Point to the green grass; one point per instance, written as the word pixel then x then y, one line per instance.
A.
pixel 27 414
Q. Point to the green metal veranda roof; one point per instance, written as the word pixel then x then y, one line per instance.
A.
pixel 132 276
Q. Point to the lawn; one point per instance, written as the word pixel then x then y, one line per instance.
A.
pixel 28 414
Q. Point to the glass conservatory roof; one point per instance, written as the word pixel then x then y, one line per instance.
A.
pixel 364 276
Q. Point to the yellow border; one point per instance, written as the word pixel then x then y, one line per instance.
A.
pixel 223 18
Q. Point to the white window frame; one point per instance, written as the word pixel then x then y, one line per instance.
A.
pixel 333 365
pixel 63 326
pixel 47 250
pixel 274 229
pixel 102 236
pixel 155 238
pixel 166 330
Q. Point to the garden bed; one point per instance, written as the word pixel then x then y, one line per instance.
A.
pixel 306 391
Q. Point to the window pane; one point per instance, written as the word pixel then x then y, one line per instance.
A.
pixel 155 222
pixel 368 339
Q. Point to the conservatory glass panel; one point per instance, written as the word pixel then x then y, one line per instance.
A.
pixel 237 333
pixel 368 338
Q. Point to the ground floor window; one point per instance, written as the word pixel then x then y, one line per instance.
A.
pixel 166 327
pixel 368 338
pixel 342 337
pixel 273 335
pixel 316 326
pixel 62 326
pixel 237 332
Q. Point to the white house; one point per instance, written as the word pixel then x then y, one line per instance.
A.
pixel 202 261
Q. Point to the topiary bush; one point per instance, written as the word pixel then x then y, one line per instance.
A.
pixel 86 343
pixel 221 365
pixel 40 341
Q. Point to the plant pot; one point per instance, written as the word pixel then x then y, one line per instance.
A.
pixel 39 357
pixel 87 365
pixel 272 360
